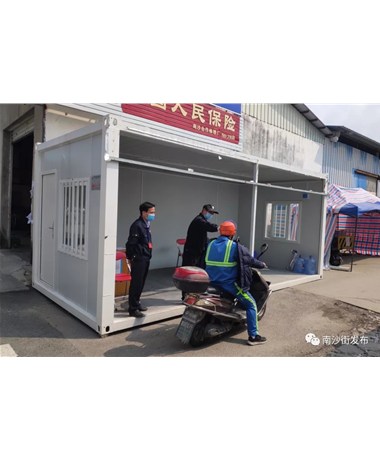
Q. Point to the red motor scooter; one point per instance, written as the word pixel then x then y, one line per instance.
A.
pixel 211 312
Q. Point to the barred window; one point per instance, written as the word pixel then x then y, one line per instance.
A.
pixel 73 237
pixel 283 221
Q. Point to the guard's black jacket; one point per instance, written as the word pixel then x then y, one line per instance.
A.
pixel 196 241
pixel 139 244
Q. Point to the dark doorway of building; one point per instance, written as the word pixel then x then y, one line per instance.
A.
pixel 21 184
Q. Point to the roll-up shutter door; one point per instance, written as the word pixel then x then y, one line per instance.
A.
pixel 26 127
pixel 367 180
pixel 372 184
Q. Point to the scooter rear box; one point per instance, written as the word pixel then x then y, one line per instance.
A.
pixel 191 279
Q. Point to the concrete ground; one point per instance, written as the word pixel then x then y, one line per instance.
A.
pixel 342 311
pixel 360 287
pixel 15 270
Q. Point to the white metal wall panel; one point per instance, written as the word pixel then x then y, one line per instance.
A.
pixel 75 277
pixel 286 117
pixel 340 160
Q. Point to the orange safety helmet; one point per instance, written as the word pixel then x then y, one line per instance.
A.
pixel 227 228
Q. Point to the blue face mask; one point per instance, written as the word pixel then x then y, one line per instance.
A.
pixel 151 217
pixel 208 216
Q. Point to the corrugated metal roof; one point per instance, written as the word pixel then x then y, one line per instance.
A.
pixel 314 120
pixel 357 140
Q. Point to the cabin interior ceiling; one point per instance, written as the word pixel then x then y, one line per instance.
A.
pixel 162 153
pixel 271 175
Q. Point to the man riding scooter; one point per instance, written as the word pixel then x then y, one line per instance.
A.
pixel 228 264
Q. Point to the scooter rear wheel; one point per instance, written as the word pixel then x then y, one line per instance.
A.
pixel 198 336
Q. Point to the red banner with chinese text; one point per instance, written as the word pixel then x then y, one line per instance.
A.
pixel 204 119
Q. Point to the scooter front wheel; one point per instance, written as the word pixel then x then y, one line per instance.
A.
pixel 261 312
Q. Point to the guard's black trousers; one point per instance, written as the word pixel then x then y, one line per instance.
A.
pixel 139 272
pixel 194 260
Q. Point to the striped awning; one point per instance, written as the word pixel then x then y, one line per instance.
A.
pixel 351 201
pixel 359 215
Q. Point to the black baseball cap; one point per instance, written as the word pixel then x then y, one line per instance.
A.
pixel 210 208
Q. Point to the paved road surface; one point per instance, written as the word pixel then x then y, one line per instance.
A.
pixel 34 326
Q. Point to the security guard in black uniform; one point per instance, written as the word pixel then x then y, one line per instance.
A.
pixel 194 251
pixel 139 252
pixel 195 247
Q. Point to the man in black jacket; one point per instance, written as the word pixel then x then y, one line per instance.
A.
pixel 139 252
pixel 195 247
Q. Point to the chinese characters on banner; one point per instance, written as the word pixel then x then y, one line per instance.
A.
pixel 204 119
